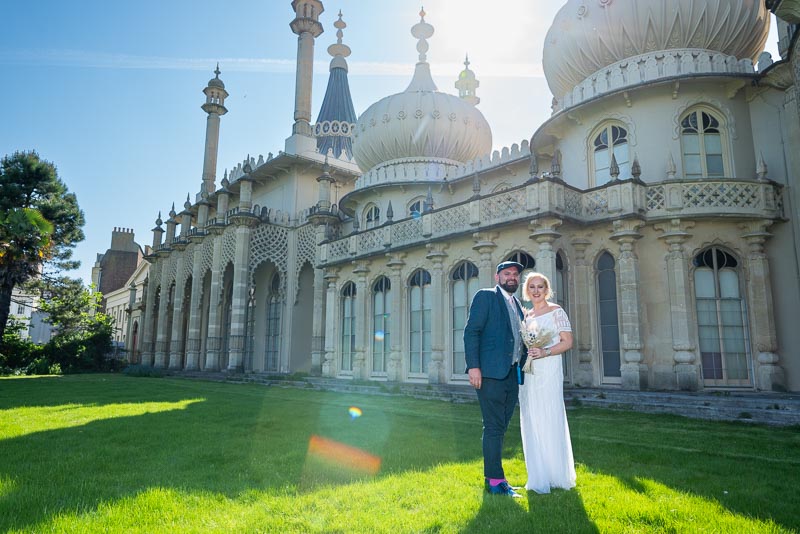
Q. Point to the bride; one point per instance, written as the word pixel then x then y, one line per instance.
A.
pixel 543 418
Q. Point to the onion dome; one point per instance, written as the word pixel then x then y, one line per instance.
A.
pixel 588 35
pixel 337 117
pixel 215 81
pixel 421 122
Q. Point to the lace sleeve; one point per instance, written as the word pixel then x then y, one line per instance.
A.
pixel 562 321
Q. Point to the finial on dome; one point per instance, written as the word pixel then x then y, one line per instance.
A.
pixel 422 31
pixel 338 49
pixel 159 222
pixel 172 212
pixel 217 72
pixel 422 80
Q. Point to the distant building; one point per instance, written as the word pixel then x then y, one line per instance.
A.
pixel 113 268
pixel 661 198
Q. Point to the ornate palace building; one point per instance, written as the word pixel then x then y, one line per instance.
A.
pixel 660 197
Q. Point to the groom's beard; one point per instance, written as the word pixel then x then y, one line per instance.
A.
pixel 510 286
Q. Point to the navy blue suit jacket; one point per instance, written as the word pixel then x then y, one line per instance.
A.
pixel 488 340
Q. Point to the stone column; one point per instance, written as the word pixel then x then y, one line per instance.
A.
pixel 634 372
pixel 329 366
pixel 361 270
pixel 394 369
pixel 318 315
pixel 584 374
pixel 195 312
pixel 240 299
pixel 148 313
pixel 163 305
pixel 543 231
pixel 214 339
pixel 436 367
pixel 129 327
pixel 684 372
pixel 769 374
pixel 485 245
pixel 177 317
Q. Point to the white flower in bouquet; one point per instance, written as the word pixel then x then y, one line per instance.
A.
pixel 534 337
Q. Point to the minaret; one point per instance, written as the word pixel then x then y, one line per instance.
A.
pixel 215 107
pixel 467 84
pixel 307 27
pixel 337 116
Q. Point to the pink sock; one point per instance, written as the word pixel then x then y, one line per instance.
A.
pixel 496 481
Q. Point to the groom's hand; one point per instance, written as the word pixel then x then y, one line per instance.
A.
pixel 475 377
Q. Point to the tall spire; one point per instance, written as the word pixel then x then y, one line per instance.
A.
pixel 307 27
pixel 215 107
pixel 337 115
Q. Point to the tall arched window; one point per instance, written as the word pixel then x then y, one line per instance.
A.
pixel 348 325
pixel 273 330
pixel 464 280
pixel 721 319
pixel 609 318
pixel 420 322
pixel 372 217
pixel 701 143
pixel 560 289
pixel 608 140
pixel 381 310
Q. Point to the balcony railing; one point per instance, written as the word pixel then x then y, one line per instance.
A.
pixel 547 196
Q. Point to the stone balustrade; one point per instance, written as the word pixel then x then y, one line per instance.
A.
pixel 757 199
pixel 651 67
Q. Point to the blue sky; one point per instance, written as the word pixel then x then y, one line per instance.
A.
pixel 111 91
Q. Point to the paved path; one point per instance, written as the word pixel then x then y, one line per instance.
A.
pixel 781 409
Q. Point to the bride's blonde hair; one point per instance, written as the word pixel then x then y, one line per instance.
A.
pixel 527 296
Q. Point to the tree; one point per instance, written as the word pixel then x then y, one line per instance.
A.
pixel 40 222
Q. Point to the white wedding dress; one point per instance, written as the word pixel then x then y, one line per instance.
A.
pixel 543 418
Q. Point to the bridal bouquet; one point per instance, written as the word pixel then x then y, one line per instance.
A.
pixel 534 338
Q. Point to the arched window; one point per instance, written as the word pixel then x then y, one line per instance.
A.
pixel 721 319
pixel 464 280
pixel 701 145
pixel 528 264
pixel 560 290
pixel 609 318
pixel 416 207
pixel 348 325
pixel 372 217
pixel 419 322
pixel 273 330
pixel 610 139
pixel 381 314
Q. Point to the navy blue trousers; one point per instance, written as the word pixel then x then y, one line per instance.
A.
pixel 497 398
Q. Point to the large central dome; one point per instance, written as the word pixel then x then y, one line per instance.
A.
pixel 588 35
pixel 421 122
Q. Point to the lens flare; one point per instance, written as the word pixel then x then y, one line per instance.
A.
pixel 355 412
pixel 343 456
pixel 379 335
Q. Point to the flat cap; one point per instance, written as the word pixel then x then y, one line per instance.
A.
pixel 507 264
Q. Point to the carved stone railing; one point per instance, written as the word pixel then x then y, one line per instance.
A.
pixel 548 196
pixel 651 67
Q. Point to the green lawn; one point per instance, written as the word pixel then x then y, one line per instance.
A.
pixel 110 453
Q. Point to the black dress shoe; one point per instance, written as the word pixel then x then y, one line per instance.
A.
pixel 504 489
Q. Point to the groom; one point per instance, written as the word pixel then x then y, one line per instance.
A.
pixel 493 346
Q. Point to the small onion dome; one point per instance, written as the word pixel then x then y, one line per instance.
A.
pixel 215 81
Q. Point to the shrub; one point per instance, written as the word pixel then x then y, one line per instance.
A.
pixel 142 370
